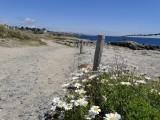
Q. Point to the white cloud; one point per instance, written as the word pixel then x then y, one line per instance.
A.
pixel 28 21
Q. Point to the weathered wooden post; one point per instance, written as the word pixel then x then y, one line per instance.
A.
pixel 81 47
pixel 77 44
pixel 98 52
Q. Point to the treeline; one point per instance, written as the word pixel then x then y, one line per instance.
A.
pixel 42 30
pixel 34 30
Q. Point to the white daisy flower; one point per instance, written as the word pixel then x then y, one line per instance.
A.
pixel 95 110
pixel 81 102
pixel 141 81
pixel 147 78
pixel 70 95
pixel 56 100
pixel 61 104
pixel 113 77
pixel 84 103
pixel 89 116
pixel 88 85
pixel 92 76
pixel 125 83
pixel 78 102
pixel 72 101
pixel 112 116
pixel 68 107
pixel 81 91
pixel 152 90
pixel 85 80
pixel 75 78
pixel 79 74
pixel 77 85
pixel 65 85
pixel 86 71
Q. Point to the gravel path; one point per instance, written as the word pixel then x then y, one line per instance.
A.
pixel 148 61
pixel 30 77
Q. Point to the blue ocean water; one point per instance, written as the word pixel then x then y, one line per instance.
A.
pixel 142 40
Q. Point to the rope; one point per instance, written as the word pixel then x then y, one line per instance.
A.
pixel 146 99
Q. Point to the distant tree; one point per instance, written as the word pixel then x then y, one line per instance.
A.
pixel 22 28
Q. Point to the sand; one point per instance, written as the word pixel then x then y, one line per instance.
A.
pixel 147 61
pixel 30 77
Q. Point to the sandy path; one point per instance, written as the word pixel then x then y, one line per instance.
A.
pixel 30 77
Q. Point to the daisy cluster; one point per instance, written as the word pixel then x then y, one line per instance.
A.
pixel 75 96
pixel 78 97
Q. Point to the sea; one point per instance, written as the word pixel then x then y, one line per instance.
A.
pixel 142 40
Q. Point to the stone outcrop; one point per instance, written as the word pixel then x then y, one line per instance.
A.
pixel 135 46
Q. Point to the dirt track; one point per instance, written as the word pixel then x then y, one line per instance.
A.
pixel 30 77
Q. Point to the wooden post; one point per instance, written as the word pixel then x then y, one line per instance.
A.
pixel 81 47
pixel 98 52
pixel 77 44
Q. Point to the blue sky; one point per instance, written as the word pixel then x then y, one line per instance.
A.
pixel 109 17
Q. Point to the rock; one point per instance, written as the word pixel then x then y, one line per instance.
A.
pixel 135 46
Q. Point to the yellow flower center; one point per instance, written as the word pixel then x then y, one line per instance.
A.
pixel 96 109
pixel 68 107
pixel 111 118
pixel 79 102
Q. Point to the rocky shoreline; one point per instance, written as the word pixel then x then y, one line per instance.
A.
pixel 135 45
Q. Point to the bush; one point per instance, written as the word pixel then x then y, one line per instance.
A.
pixel 117 94
pixel 3 31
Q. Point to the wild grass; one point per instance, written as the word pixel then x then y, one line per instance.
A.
pixel 22 36
pixel 108 95
pixel 57 37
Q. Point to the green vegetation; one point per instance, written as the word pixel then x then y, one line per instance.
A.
pixel 21 36
pixel 31 36
pixel 57 37
pixel 108 95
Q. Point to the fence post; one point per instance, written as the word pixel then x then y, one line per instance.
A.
pixel 77 44
pixel 98 52
pixel 81 47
